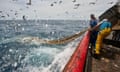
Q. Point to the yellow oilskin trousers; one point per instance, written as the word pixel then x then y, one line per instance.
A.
pixel 102 34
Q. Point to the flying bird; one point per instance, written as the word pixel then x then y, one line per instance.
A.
pixel 55 2
pixel 66 12
pixel 29 2
pixel 14 0
pixel 24 18
pixel 8 15
pixel 52 5
pixel 2 16
pixel 110 2
pixel 92 3
pixel 74 1
pixel 76 6
pixel 11 10
pixel 0 11
pixel 16 13
pixel 60 2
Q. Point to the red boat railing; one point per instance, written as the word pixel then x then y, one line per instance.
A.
pixel 78 59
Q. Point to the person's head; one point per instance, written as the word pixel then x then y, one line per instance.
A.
pixel 92 16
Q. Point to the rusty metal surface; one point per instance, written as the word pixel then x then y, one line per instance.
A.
pixel 113 15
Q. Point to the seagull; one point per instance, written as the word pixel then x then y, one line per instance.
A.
pixel 66 12
pixel 110 2
pixel 93 3
pixel 0 11
pixel 52 5
pixel 60 2
pixel 24 17
pixel 74 1
pixel 8 15
pixel 11 10
pixel 29 2
pixel 14 0
pixel 76 6
pixel 27 7
pixel 16 13
pixel 55 2
pixel 2 16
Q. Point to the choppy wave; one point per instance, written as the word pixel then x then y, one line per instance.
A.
pixel 57 58
pixel 43 58
pixel 22 48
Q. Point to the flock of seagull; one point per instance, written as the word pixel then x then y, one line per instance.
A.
pixel 76 6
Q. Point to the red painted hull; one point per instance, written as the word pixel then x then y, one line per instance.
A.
pixel 77 61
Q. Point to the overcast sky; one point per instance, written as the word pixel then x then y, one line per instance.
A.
pixel 53 9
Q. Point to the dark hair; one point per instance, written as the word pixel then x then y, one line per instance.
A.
pixel 93 16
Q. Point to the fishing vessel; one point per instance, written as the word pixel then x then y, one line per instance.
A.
pixel 82 59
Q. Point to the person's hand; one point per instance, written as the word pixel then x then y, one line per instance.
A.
pixel 89 29
pixel 100 23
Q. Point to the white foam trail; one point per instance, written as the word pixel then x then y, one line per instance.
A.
pixel 60 58
pixel 37 52
pixel 13 39
pixel 32 40
pixel 24 39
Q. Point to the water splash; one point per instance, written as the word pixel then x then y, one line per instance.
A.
pixel 56 58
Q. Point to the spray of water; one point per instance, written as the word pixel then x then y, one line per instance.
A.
pixel 56 57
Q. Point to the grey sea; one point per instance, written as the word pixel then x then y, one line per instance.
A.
pixel 32 56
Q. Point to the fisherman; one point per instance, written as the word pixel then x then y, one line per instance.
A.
pixel 104 31
pixel 93 37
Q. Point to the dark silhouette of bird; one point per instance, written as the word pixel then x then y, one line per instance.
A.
pixel 92 3
pixel 14 0
pixel 74 1
pixel 11 10
pixel 110 2
pixel 16 13
pixel 27 7
pixel 66 12
pixel 76 6
pixel 0 11
pixel 8 15
pixel 60 2
pixel 55 2
pixel 2 16
pixel 24 18
pixel 52 5
pixel 29 2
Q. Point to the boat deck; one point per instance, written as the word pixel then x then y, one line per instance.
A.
pixel 109 60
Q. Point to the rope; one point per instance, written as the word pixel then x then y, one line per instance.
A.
pixel 66 39
pixel 59 41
